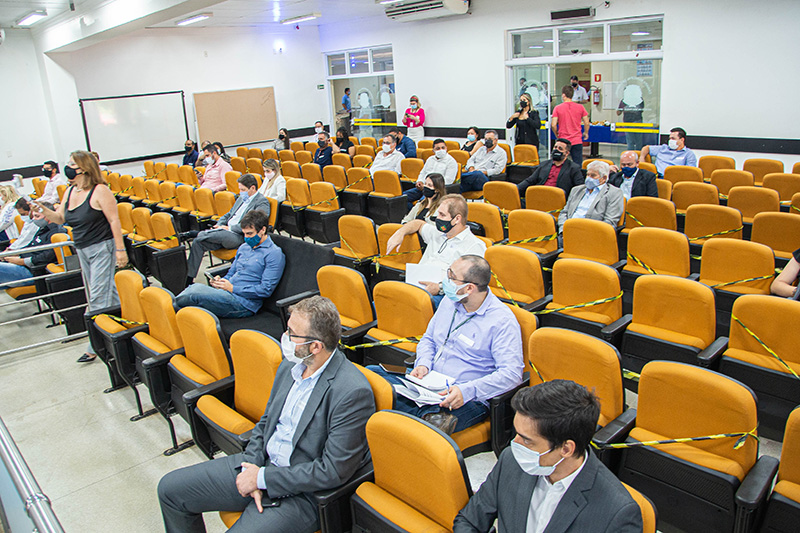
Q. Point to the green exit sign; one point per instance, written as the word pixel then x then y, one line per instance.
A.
pixel 320 87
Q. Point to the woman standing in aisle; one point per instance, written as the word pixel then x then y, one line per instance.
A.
pixel 90 209
pixel 527 122
pixel 414 118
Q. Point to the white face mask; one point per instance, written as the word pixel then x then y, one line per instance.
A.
pixel 269 175
pixel 440 154
pixel 318 130
pixel 288 347
pixel 528 460
pixel 387 148
pixel 208 160
pixel 673 144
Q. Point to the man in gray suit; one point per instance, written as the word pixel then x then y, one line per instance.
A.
pixel 312 437
pixel 594 199
pixel 559 486
pixel 226 233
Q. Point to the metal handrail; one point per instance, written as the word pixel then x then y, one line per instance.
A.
pixel 39 248
pixel 36 503
pixel 42 297
pixel 27 281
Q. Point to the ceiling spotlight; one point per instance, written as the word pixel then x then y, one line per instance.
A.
pixel 195 18
pixel 32 18
pixel 301 18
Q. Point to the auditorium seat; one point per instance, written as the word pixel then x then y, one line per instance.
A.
pixel 166 256
pixel 124 210
pixel 254 165
pixel 322 216
pixel 644 211
pixel 530 224
pixel 269 153
pixel 171 172
pixel 366 150
pixel 292 212
pixel 664 188
pixel 335 175
pixel 787 185
pixel 296 146
pixel 254 153
pixel 708 164
pixel 502 194
pixel 551 200
pixel 410 167
pixel 678 173
pixel 750 201
pixel 342 160
pixel 386 203
pixel 362 160
pixel 187 175
pixel 303 157
pixel 779 231
pixel 285 155
pixel 708 222
pixel 291 169
pixel 488 216
pixel 359 185
pixel 761 167
pixel 726 179
pixel 519 271
pixel 592 240
pixel 239 164
pixel 311 172
pixel 648 509
pixel 393 266
pixel 783 508
pixel 169 196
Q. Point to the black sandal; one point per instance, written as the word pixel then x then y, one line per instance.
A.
pixel 86 358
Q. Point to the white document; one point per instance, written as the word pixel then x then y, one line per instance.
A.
pixel 433 381
pixel 430 272
pixel 419 395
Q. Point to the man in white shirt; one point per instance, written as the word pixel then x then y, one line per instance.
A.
pixel 594 199
pixel 490 160
pixel 556 479
pixel 388 158
pixel 449 240
pixel 441 163
pixel 54 179
pixel 580 95
pixel 29 228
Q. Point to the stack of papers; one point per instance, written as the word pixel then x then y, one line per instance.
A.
pixel 419 395
pixel 433 380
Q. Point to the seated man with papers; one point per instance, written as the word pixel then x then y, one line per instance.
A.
pixel 470 353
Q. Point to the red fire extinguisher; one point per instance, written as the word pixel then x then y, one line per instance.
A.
pixel 596 97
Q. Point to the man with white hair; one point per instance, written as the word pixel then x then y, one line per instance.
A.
pixel 594 199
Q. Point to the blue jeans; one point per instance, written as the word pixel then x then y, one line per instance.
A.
pixel 469 414
pixel 473 181
pixel 220 302
pixel 10 272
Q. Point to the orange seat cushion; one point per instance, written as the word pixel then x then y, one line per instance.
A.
pixel 191 370
pixel 224 416
pixel 473 435
pixel 17 292
pixel 108 325
pixel 762 360
pixel 397 511
pixel 788 489
pixel 379 334
pixel 152 343
pixel 667 335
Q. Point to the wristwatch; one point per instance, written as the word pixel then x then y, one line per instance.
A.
pixel 441 288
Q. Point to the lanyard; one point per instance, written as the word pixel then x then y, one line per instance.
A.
pixel 450 330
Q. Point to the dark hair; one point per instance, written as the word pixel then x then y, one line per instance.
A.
pixel 320 123
pixel 395 130
pixel 344 132
pixel 324 323
pixel 346 89
pixel 285 133
pixel 439 141
pixel 562 410
pixel 325 134
pixel 392 137
pixel 439 186
pixel 573 78
pixel 211 149
pixel 248 180
pixel 522 79
pixel 220 148
pixel 255 219
pixel 479 273
pixel 568 91
pixel 680 131
pixel 455 204
pixel 562 140
pixel 204 144
pixel 476 130
pixel 491 131
pixel 52 164
pixel 22 204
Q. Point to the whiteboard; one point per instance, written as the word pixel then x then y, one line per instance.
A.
pixel 136 126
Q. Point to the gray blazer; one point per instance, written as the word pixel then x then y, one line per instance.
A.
pixel 607 207
pixel 258 202
pixel 596 501
pixel 330 442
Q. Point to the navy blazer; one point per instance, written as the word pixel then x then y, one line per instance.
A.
pixel 644 183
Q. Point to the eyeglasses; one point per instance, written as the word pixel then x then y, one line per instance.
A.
pixel 451 276
pixel 290 334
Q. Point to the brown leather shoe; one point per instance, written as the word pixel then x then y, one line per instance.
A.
pixel 443 421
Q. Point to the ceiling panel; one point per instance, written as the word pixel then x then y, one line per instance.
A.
pixel 13 10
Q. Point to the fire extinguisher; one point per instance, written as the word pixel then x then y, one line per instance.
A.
pixel 596 97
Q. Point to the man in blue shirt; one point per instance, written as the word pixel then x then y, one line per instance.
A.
pixel 346 100
pixel 404 144
pixel 324 154
pixel 190 153
pixel 672 153
pixel 253 276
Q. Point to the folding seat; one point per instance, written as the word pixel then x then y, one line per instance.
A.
pixel 679 173
pixel 335 175
pixel 664 188
pixel 761 167
pixel 166 256
pixel 124 210
pixel 111 330
pixel 64 303
pixel 153 192
pixel 354 196
pixel 354 140
pixel 253 153
pixel 551 200
pixel 160 170
pixel 37 186
pixel 185 208
pixel 576 283
pixel 292 215
pixel 291 169
pixel 783 507
pixel 254 165
pixel 507 149
pixel 286 155
pixel 794 208
pixel 488 216
pixel 369 141
pixel 269 153
pixel 239 164
pixel 342 160
pixel 393 266
pixel 358 244
pixel 409 493
pixel 460 156
pixel 654 251
pixel 587 161
pixel 401 311
pixel 787 185
pixel 296 146
pixel 705 485
pixel 362 161
pixel 766 327
pixel 726 179
pixel 425 143
pixel 365 149
pixel 169 196
pixel 526 155
pixel 232 181
pixel 349 291
pixel 796 168
pixel 708 164
pixel 223 202
pixel 202 360
pixel 386 203
pixel 707 222
pixel 113 184
pixel 311 172
pixel 779 231
pixel 526 224
pixel 138 193
pixel 410 167
pixel 594 240
pixel 733 268
pixel 186 175
pixel 149 169
pixel 502 194
pixel 452 145
pixel 688 193
pixel 311 146
pixel 519 271
pixel 648 509
pixel 750 201
pixel 303 157
pixel 126 188
pixel 227 410
pixel 203 217
pixel 644 211
pixel 649 166
pixel 134 241
pixel 322 216
pixel 242 152
pixel 171 173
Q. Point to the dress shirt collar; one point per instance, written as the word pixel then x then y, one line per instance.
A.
pixel 483 307
pixel 626 178
pixel 299 368
pixel 564 484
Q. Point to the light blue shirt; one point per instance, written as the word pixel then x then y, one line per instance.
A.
pixel 280 445
pixel 237 216
pixel 627 185
pixel 665 157
pixel 346 102
pixel 586 202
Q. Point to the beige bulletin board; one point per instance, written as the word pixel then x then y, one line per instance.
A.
pixel 237 117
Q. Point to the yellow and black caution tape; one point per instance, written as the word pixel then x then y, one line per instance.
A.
pixel 629 215
pixel 717 234
pixel 414 340
pixel 151 241
pixel 696 257
pixel 120 320
pixel 527 162
pixel 126 189
pixel 579 306
pixel 536 370
pixel 641 263
pixel 795 208
pixel 196 214
pixel 763 345
pixel 341 239
pixel 502 288
pixel 377 258
pixel 631 375
pixel 741 437
pixel 746 280
pixel 304 207
pixel 168 199
pixel 541 238
pixel 357 182
pixel 723 196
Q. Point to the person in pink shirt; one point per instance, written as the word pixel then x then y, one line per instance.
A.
pixel 414 118
pixel 216 167
pixel 567 119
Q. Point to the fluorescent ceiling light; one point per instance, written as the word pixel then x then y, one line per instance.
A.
pixel 384 2
pixel 32 18
pixel 548 40
pixel 195 18
pixel 573 31
pixel 536 46
pixel 301 18
pixel 640 33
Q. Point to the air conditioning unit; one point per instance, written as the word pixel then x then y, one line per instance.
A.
pixel 408 11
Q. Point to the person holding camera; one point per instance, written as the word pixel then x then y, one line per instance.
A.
pixel 527 122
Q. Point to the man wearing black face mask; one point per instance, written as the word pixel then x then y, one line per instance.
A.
pixel 19 267
pixel 190 153
pixel 580 95
pixel 559 172
pixel 54 179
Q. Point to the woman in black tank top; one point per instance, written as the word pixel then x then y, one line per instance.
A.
pixel 90 209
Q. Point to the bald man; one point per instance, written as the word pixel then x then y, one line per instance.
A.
pixel 632 180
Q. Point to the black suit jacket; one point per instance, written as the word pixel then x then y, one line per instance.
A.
pixel 644 183
pixel 568 177
pixel 595 501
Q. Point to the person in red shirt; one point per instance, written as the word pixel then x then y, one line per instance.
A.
pixel 567 119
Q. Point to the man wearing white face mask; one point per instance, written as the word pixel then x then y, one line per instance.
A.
pixel 490 160
pixel 555 477
pixel 311 438
pixel 441 163
pixel 389 157
pixel 594 199
pixel 672 153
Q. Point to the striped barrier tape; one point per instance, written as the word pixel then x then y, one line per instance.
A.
pixel 763 345
pixel 414 340
pixel 740 436
pixel 120 320
pixel 502 288
pixel 377 258
pixel 640 263
pixel 579 306
pixel 746 280
pixel 717 234
pixel 542 238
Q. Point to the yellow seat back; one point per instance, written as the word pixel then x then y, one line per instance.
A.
pixel 577 281
pixel 256 358
pixel 663 250
pixel 203 341
pixel 529 224
pixel 594 240
pixel 357 236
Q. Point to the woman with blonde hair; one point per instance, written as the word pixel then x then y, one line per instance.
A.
pixel 90 209
pixel 432 194
pixel 414 118
pixel 274 185
pixel 8 212
pixel 527 122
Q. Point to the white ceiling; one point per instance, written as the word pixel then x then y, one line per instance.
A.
pixel 13 10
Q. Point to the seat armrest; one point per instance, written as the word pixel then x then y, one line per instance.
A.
pixel 130 332
pixel 757 483
pixel 694 277
pixel 614 329
pixel 539 304
pixel 709 356
pixel 290 300
pixel 506 396
pixel 549 258
pixel 617 430
pixel 619 265
pixel 354 335
pixel 217 388
pixel 501 417
pixel 161 359
pixel 365 474
pixel 113 311
pixel 244 438
pixel 220 271
pixel 409 361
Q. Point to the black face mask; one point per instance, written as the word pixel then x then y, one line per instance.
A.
pixel 48 172
pixel 557 155
pixel 427 192
pixel 189 148
pixel 523 104
pixel 574 84
pixel 70 173
pixel 281 136
pixel 488 143
pixel 444 225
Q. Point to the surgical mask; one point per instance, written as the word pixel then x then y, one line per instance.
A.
pixel 628 171
pixel 253 241
pixel 592 183
pixel 488 143
pixel 47 172
pixel 450 290
pixel 40 222
pixel 558 155
pixel 208 160
pixel 288 347
pixel 244 195
pixel 673 144
pixel 268 176
pixel 529 460
pixel 427 192
pixel 444 225
pixel 70 173
pixel 440 154
pixel 318 130
pixel 471 138
pixel 25 218
pixel 413 106
pixel 387 148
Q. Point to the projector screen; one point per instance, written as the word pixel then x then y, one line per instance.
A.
pixel 122 128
